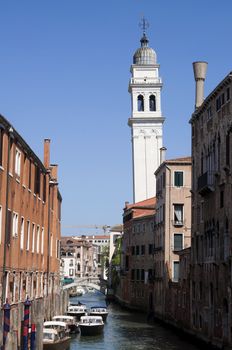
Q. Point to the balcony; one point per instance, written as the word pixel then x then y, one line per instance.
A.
pixel 205 183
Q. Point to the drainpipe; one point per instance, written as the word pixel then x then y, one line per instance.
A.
pixel 6 243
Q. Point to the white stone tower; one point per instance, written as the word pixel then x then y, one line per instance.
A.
pixel 146 120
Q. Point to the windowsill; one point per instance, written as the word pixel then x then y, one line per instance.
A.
pixel 10 174
pixel 24 186
pixel 29 190
pixel 39 198
pixel 17 180
pixel 34 194
pixel 1 168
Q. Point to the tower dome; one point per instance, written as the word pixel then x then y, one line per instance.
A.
pixel 145 55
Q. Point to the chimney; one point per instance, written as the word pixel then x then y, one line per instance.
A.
pixel 162 154
pixel 47 153
pixel 199 69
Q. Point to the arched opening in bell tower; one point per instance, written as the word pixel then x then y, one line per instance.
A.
pixel 152 103
pixel 140 101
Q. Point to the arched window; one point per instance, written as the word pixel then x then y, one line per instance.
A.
pixel 140 103
pixel 152 103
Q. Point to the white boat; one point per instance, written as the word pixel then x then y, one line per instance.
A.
pixel 99 311
pixel 55 339
pixel 91 325
pixel 77 310
pixel 70 321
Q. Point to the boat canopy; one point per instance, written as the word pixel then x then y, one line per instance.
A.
pixel 49 331
pixel 54 324
pixel 63 317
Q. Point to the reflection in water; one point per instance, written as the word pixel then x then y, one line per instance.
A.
pixel 125 330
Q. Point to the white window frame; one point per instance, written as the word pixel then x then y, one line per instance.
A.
pixel 178 223
pixel 0 224
pixel 42 240
pixel 37 238
pixel 28 234
pixel 22 233
pixel 178 171
pixel 33 238
pixel 17 162
pixel 15 223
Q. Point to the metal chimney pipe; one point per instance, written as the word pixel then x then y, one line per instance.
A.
pixel 162 154
pixel 199 69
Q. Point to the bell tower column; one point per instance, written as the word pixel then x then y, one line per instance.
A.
pixel 146 119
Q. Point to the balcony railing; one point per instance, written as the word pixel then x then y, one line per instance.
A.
pixel 205 183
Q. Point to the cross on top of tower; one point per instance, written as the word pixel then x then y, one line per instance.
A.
pixel 144 24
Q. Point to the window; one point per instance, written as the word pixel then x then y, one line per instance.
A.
pixel 133 250
pixel 142 275
pixel 142 249
pixel 140 103
pixel 37 181
pixel 138 274
pixel 176 271
pixel 221 199
pixel 132 274
pixel 150 249
pixel 17 162
pixel 28 235
pixel 0 225
pixel 33 238
pixel 38 239
pixel 42 240
pixel 178 178
pixel 29 174
pixel 51 244
pixel 15 225
pixel 71 272
pixel 152 103
pixel 137 250
pixel 1 145
pixel 178 214
pixel 178 241
pixel 22 234
pixel 227 94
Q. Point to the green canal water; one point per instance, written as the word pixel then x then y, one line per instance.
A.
pixel 125 330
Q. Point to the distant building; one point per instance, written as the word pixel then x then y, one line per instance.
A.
pixel 172 225
pixel 79 258
pixel 211 216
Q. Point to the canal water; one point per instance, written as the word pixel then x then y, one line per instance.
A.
pixel 125 330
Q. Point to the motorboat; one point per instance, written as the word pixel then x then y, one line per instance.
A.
pixel 91 325
pixel 55 339
pixel 70 321
pixel 99 311
pixel 58 325
pixel 77 310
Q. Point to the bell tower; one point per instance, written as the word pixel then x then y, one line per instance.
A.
pixel 146 119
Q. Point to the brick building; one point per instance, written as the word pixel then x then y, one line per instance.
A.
pixel 30 215
pixel 211 277
pixel 172 226
pixel 137 270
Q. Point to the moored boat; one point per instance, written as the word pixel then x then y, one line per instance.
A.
pixel 70 321
pixel 55 339
pixel 77 310
pixel 91 325
pixel 99 311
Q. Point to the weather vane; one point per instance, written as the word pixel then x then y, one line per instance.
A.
pixel 144 24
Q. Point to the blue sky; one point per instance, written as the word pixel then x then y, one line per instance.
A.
pixel 65 68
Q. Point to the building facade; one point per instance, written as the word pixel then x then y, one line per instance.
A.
pixel 30 216
pixel 211 211
pixel 146 120
pixel 137 268
pixel 172 225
